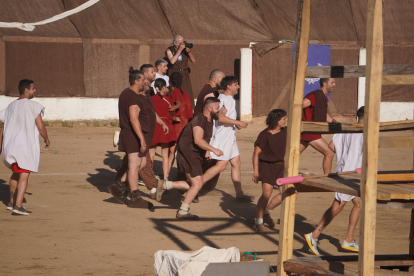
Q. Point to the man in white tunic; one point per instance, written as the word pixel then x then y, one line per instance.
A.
pixel 161 67
pixel 19 140
pixel 348 149
pixel 224 138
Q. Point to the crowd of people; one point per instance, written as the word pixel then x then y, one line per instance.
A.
pixel 156 110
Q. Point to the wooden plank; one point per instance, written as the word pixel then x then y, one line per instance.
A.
pixel 292 155
pixel 395 205
pixel 396 142
pixel 356 71
pixel 371 137
pixel 398 80
pixel 411 246
pixel 330 128
pixel 302 267
pixel 395 177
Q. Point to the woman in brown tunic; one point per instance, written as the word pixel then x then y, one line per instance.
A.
pixel 178 56
pixel 269 152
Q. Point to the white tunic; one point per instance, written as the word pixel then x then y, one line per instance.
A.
pixel 158 76
pixel 348 148
pixel 224 137
pixel 20 135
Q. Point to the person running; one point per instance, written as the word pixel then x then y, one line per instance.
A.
pixel 19 142
pixel 224 138
pixel 315 109
pixel 268 165
pixel 191 149
pixel 348 149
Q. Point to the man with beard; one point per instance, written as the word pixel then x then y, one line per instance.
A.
pixel 209 90
pixel 192 147
pixel 315 109
pixel 118 189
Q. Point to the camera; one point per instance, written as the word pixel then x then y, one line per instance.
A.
pixel 188 45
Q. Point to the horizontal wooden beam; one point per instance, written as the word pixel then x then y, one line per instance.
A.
pixel 330 128
pixel 356 71
pixel 396 142
pixel 395 177
pixel 398 80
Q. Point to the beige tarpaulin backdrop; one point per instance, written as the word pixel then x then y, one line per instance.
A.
pixel 88 54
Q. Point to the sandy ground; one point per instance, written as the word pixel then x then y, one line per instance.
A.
pixel 77 228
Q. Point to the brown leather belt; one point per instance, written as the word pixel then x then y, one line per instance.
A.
pixel 280 162
pixel 179 69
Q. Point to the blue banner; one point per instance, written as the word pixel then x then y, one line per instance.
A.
pixel 318 55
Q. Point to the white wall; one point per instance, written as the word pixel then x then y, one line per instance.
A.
pixel 246 69
pixel 390 111
pixel 72 109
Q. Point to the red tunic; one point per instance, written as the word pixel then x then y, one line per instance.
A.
pixel 185 112
pixel 162 108
pixel 308 116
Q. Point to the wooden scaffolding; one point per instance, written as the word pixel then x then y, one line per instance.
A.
pixel 364 185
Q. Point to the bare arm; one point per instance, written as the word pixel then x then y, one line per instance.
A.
pixel 190 55
pixel 161 122
pixel 176 106
pixel 173 58
pixel 133 118
pixel 1 136
pixel 208 96
pixel 306 103
pixel 226 120
pixel 42 130
pixel 198 133
pixel 329 119
pixel 256 153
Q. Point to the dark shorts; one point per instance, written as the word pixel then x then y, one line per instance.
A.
pixel 270 172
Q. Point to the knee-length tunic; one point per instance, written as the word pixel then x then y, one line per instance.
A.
pixel 162 105
pixel 271 157
pixel 184 113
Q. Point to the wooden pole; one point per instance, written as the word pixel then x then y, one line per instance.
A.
pixel 287 221
pixel 371 137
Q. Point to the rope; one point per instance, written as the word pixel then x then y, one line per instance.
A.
pixel 30 26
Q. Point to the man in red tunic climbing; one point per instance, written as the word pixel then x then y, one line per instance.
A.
pixel 315 109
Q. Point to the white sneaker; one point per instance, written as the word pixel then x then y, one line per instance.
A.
pixel 312 243
pixel 116 138
pixel 353 246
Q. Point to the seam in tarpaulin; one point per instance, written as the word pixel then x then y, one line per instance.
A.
pixel 30 26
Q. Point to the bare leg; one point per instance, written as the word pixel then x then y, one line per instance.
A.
pixel 152 152
pixel 329 215
pixel 13 187
pixel 196 184
pixel 171 158
pixel 303 146
pixel 21 188
pixel 121 174
pixel 236 175
pixel 353 220
pixel 134 166
pixel 321 146
pixel 219 167
pixel 164 153
pixel 264 199
pixel 276 200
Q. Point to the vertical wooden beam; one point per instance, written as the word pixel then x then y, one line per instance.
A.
pixel 411 249
pixel 371 137
pixel 2 67
pixel 287 221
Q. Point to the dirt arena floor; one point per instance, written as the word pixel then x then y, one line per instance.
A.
pixel 78 228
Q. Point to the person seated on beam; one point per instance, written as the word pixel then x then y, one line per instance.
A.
pixel 268 164
pixel 348 149
pixel 315 109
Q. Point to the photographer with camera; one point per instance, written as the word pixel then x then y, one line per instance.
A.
pixel 178 56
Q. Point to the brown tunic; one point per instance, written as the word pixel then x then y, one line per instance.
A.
pixel 207 89
pixel 273 150
pixel 189 155
pixel 128 139
pixel 181 66
pixel 147 113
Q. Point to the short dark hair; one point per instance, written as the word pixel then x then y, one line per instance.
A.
pixel 134 75
pixel 228 80
pixel 159 83
pixel 322 80
pixel 274 117
pixel 210 100
pixel 23 84
pixel 176 80
pixel 145 67
pixel 360 113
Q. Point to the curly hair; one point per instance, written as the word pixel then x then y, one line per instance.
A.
pixel 176 79
pixel 274 117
